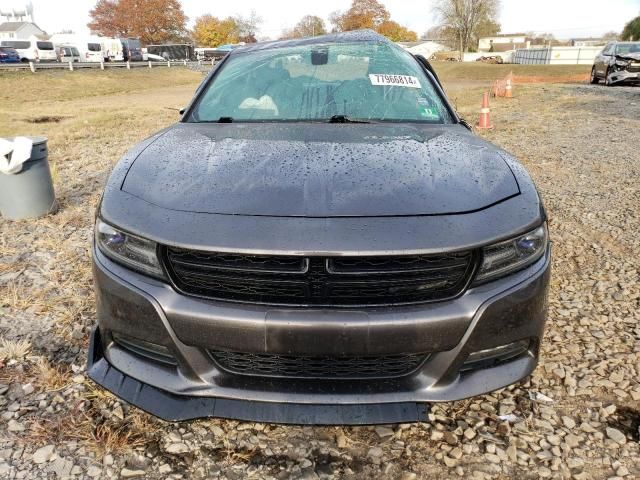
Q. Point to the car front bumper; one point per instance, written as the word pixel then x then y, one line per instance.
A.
pixel 498 313
pixel 624 76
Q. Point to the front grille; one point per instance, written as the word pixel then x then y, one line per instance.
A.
pixel 319 281
pixel 269 365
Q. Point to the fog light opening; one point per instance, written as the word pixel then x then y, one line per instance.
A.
pixel 152 351
pixel 494 356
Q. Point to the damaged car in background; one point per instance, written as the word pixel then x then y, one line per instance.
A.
pixel 618 63
pixel 319 240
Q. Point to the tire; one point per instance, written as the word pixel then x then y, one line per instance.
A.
pixel 594 80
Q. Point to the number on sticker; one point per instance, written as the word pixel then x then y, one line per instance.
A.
pixel 394 80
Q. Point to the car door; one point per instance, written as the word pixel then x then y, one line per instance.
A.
pixel 604 59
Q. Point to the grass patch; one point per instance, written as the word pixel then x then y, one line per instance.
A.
pixel 45 87
pixel 466 71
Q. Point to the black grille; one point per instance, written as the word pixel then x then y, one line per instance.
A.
pixel 319 281
pixel 269 365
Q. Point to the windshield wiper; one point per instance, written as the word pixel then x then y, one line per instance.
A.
pixel 345 119
pixel 225 120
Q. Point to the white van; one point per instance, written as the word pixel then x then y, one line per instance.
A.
pixel 112 49
pixel 90 48
pixel 33 49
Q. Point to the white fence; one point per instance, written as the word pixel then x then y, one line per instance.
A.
pixel 556 55
pixel 37 66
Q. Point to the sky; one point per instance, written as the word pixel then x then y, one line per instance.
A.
pixel 564 18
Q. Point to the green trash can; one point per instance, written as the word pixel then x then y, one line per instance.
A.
pixel 29 193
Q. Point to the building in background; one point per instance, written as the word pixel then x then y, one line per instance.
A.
pixel 19 30
pixel 17 21
pixel 588 42
pixel 503 42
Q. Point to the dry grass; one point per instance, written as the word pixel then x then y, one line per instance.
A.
pixel 13 349
pixel 477 71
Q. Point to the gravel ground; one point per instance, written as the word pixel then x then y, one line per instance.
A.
pixel 576 417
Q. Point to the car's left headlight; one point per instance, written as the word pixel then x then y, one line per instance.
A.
pixel 130 250
pixel 509 256
pixel 622 63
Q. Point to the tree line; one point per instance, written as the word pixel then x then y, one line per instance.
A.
pixel 460 23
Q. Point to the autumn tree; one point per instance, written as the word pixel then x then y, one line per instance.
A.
pixel 611 36
pixel 210 31
pixel 308 26
pixel 631 30
pixel 396 32
pixel 247 27
pixel 153 21
pixel 373 15
pixel 362 14
pixel 465 19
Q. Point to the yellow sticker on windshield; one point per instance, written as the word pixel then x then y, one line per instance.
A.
pixel 394 80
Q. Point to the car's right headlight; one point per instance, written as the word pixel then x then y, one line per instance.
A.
pixel 130 250
pixel 509 256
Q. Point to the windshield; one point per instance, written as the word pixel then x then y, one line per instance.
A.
pixel 360 81
pixel 625 48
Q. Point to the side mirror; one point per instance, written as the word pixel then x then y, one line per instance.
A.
pixel 182 110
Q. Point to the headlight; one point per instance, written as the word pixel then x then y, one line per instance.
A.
pixel 622 63
pixel 506 257
pixel 130 250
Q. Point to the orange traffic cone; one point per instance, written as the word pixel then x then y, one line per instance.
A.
pixel 485 113
pixel 508 89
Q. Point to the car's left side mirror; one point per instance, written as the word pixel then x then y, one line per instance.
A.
pixel 182 110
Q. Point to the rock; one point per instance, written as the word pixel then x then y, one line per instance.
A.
pixel 176 448
pixel 15 392
pixel 568 422
pixel 94 471
pixel 469 434
pixel 572 440
pixel 375 452
pixel 28 389
pixel 14 426
pixel 341 440
pixel 384 432
pixel 43 454
pixel 622 471
pixel 450 438
pixel 450 462
pixel 164 469
pixel 126 473
pixel 408 476
pixel 616 435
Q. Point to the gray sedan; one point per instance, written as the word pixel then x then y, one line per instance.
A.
pixel 319 240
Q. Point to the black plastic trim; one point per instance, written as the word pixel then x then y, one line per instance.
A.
pixel 173 408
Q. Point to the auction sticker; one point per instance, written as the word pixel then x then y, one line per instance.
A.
pixel 394 80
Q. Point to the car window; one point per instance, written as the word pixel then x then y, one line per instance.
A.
pixel 94 47
pixel 74 51
pixel 624 48
pixel 363 81
pixel 44 45
pixel 16 44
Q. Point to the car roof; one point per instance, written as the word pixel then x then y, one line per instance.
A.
pixel 354 36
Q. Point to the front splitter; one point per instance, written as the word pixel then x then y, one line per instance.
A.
pixel 173 408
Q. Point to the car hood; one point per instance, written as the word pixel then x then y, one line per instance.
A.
pixel 320 170
pixel 629 56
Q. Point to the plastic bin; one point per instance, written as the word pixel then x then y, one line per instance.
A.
pixel 29 193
